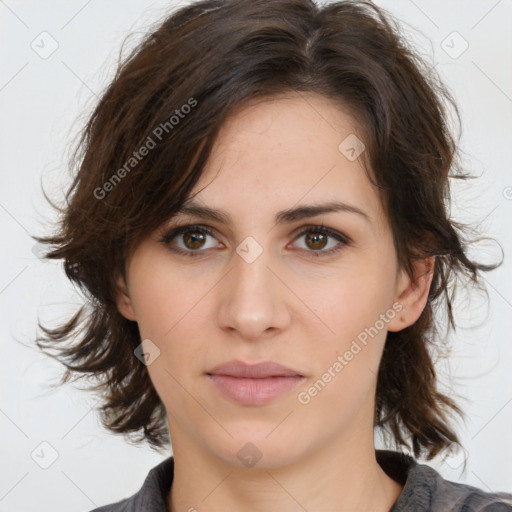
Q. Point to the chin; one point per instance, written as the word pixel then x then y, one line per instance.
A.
pixel 256 450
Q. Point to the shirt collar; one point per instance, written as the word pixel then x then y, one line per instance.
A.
pixel 153 495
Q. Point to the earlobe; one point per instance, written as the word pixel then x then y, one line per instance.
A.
pixel 123 300
pixel 412 294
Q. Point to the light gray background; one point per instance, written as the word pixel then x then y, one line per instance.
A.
pixel 40 99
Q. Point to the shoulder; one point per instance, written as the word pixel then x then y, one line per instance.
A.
pixel 425 490
pixel 458 497
pixel 152 496
pixel 125 505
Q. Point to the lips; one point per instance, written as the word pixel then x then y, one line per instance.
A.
pixel 255 384
pixel 261 370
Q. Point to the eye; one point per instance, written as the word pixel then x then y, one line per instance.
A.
pixel 317 239
pixel 193 239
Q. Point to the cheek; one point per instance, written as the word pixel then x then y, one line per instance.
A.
pixel 169 314
pixel 347 303
pixel 346 366
pixel 159 296
pixel 349 329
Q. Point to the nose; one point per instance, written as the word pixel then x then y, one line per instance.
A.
pixel 253 299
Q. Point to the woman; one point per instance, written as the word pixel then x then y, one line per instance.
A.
pixel 259 224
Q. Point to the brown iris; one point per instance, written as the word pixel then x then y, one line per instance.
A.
pixel 195 238
pixel 315 239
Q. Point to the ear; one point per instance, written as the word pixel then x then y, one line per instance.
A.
pixel 412 294
pixel 123 300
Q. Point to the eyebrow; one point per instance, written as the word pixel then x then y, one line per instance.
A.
pixel 283 217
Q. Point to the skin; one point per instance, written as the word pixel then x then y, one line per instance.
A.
pixel 289 305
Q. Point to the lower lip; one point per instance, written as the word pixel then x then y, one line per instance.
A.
pixel 254 391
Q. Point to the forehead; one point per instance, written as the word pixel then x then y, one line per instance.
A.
pixel 273 153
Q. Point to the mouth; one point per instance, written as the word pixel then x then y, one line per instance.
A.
pixel 256 384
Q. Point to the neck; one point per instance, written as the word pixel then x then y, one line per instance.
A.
pixel 353 480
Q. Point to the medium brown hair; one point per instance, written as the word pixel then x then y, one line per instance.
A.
pixel 176 88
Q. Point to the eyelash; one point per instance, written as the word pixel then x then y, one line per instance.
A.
pixel 171 235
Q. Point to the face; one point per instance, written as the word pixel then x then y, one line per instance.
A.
pixel 315 293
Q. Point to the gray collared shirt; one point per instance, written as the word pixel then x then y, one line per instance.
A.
pixel 425 490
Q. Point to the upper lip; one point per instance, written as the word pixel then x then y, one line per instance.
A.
pixel 236 368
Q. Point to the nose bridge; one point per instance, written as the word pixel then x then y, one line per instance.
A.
pixel 252 301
